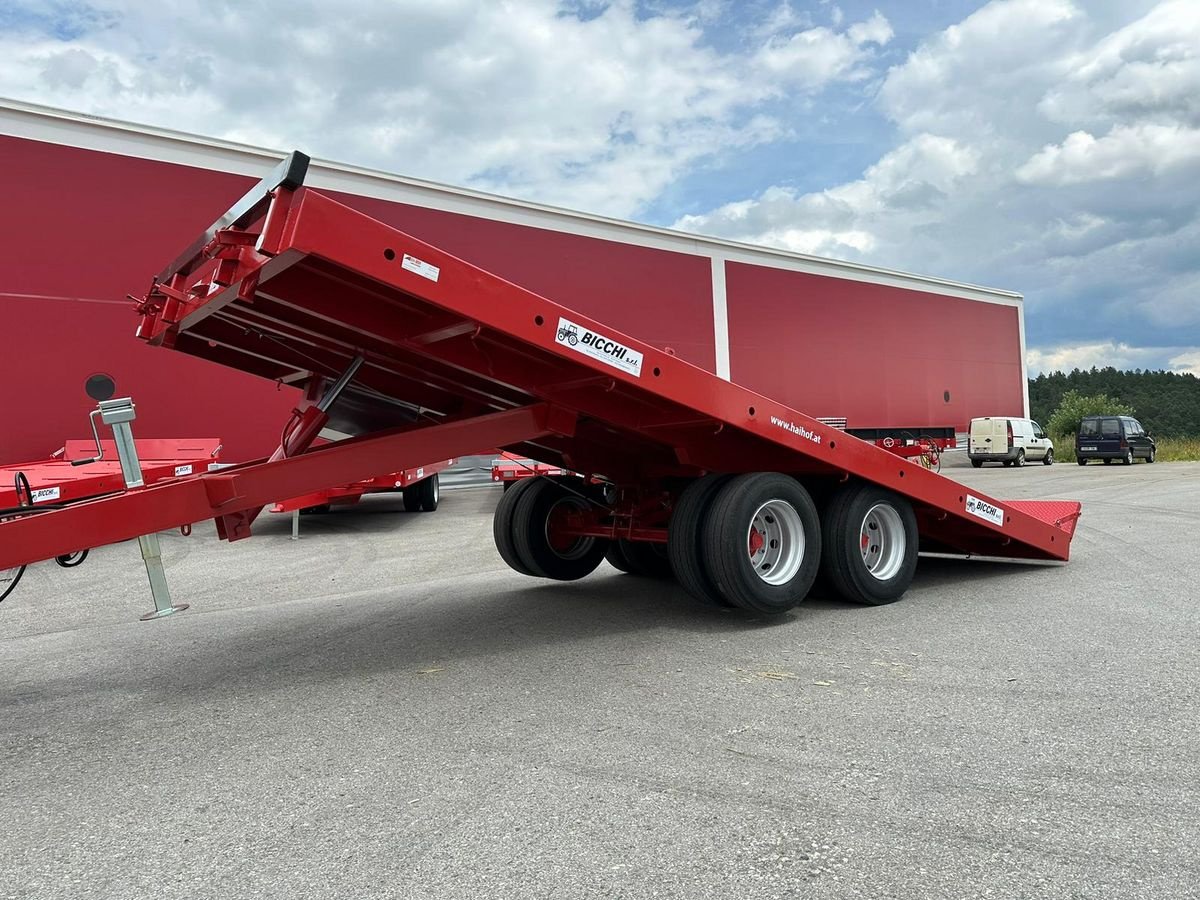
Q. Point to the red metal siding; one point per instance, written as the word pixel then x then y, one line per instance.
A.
pixel 878 355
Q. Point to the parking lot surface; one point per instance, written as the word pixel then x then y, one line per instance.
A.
pixel 383 709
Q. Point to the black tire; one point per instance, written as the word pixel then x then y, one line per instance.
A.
pixel 429 493
pixel 1153 453
pixel 685 539
pixel 1081 461
pixel 762 504
pixel 412 498
pixel 1048 459
pixel 977 463
pixel 530 519
pixel 842 529
pixel 502 526
pixel 1127 459
pixel 1107 461
pixel 1006 463
pixel 640 558
pixel 615 557
pixel 1020 460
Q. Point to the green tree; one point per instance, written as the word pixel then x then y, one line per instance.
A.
pixel 1074 406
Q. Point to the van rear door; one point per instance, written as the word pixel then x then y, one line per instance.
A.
pixel 1109 440
pixel 988 436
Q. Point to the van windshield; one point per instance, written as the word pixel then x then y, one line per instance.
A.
pixel 1090 427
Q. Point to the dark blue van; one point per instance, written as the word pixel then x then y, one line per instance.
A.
pixel 1113 437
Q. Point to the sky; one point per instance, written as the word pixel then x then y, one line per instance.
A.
pixel 1050 147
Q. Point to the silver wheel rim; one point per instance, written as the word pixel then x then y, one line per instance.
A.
pixel 882 541
pixel 581 545
pixel 775 542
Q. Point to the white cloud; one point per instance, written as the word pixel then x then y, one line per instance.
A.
pixel 817 56
pixel 914 180
pixel 600 111
pixel 1142 149
pixel 1116 354
pixel 1188 362
pixel 1146 69
pixel 876 30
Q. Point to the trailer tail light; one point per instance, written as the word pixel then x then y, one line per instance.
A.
pixel 1010 439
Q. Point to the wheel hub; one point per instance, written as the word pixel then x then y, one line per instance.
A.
pixel 775 542
pixel 882 541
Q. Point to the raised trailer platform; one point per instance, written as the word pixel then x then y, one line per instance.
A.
pixel 431 357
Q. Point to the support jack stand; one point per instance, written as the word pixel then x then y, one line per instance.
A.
pixel 117 414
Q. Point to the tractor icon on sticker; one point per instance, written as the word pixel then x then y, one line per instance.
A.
pixel 568 334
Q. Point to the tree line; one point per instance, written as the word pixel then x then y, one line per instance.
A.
pixel 1166 403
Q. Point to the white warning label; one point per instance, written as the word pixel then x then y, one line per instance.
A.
pixel 420 267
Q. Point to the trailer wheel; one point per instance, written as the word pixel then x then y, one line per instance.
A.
pixel 547 553
pixel 762 539
pixel 615 557
pixel 502 526
pixel 430 492
pixel 870 544
pixel 685 539
pixel 639 558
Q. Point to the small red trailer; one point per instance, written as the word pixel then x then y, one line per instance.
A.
pixel 84 469
pixel 420 487
pixel 430 357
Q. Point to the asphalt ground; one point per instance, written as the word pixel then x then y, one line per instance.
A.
pixel 382 709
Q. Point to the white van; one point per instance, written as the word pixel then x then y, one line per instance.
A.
pixel 1007 440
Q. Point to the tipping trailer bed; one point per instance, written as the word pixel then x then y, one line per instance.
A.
pixel 438 358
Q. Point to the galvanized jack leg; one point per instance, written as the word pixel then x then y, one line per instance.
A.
pixel 117 414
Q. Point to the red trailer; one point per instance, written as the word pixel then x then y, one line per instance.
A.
pixel 425 355
pixel 419 486
pixel 80 470
pixel 895 355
